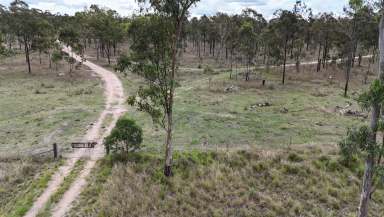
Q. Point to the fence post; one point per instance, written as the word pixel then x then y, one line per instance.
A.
pixel 55 151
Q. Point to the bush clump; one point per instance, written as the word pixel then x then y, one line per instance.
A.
pixel 208 70
pixel 127 136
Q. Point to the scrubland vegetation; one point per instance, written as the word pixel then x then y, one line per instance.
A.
pixel 296 181
pixel 35 112
pixel 227 115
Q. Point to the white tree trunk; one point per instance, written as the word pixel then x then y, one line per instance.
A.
pixel 370 161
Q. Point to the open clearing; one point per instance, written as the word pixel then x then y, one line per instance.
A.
pixel 36 111
pixel 163 114
pixel 296 181
pixel 210 115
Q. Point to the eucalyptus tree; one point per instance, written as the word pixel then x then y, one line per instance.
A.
pixel 355 6
pixel 154 56
pixel 5 31
pixel 221 23
pixel 194 33
pixel 106 28
pixel 368 36
pixel 44 39
pixel 324 28
pixel 363 142
pixel 24 26
pixel 257 24
pixel 205 23
pixel 271 43
pixel 303 18
pixel 232 40
pixel 286 26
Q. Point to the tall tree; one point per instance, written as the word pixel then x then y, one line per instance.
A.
pixel 363 142
pixel 248 39
pixel 355 6
pixel 155 57
pixel 24 26
pixel 375 153
pixel 286 25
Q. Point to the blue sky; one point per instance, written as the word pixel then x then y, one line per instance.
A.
pixel 209 7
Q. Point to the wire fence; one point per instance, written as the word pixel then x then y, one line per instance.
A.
pixel 19 153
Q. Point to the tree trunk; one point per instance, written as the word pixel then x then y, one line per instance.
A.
pixel 97 50
pixel 360 59
pixel 169 112
pixel 168 144
pixel 325 52
pixel 370 161
pixel 108 51
pixel 27 59
pixel 40 57
pixel 50 59
pixel 319 59
pixel 203 44
pixel 368 72
pixel 285 60
pixel 348 73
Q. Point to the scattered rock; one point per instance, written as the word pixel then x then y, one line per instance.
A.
pixel 347 111
pixel 319 124
pixel 231 88
pixel 284 110
pixel 350 112
pixel 260 105
pixel 263 104
pixel 40 92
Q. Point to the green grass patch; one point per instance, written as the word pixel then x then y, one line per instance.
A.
pixel 24 194
pixel 55 198
pixel 89 196
pixel 36 111
pixel 208 117
pixel 240 183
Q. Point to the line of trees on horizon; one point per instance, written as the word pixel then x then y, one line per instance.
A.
pixel 158 39
pixel 246 39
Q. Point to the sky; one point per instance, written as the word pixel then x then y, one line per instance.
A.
pixel 207 7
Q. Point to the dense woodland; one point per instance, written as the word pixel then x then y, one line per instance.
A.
pixel 158 40
pixel 246 39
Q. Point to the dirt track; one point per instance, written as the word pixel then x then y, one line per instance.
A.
pixel 114 106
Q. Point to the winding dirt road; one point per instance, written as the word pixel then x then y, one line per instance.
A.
pixel 114 107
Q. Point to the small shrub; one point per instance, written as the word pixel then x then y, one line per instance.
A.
pixel 334 166
pixel 208 70
pixel 125 137
pixel 48 86
pixel 271 86
pixel 293 157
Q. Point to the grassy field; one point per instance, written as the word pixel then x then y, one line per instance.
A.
pixel 22 181
pixel 55 198
pixel 207 116
pixel 243 150
pixel 36 111
pixel 296 181
pixel 39 109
